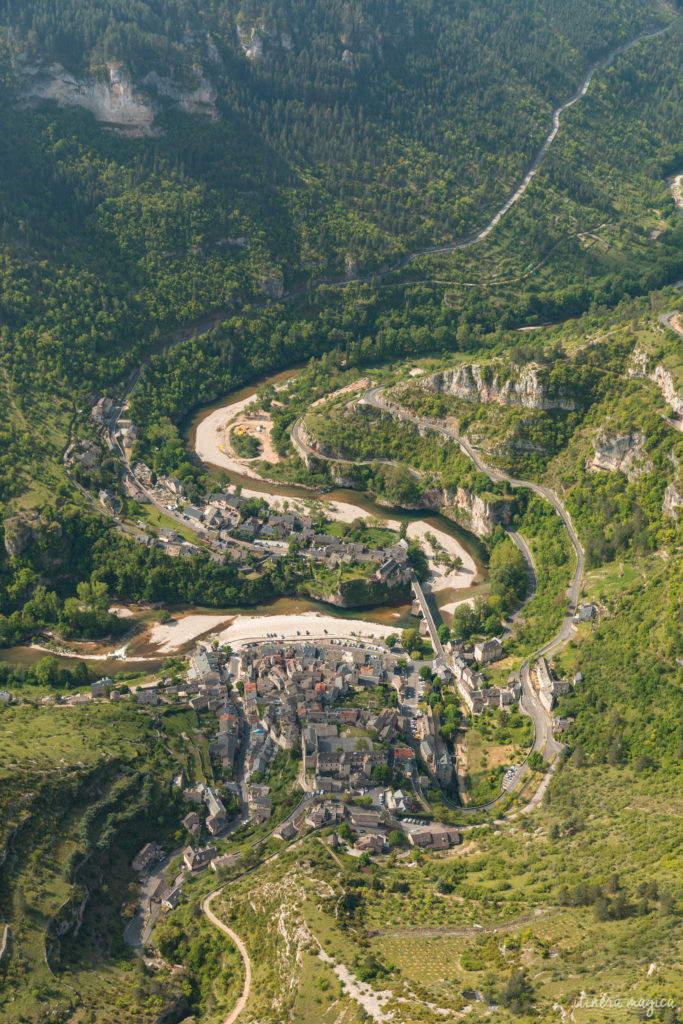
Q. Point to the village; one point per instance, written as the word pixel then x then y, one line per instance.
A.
pixel 230 525
pixel 354 716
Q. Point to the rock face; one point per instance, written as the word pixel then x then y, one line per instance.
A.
pixel 66 922
pixel 659 376
pixel 475 384
pixel 20 531
pixel 116 100
pixel 201 100
pixel 474 513
pixel 624 452
pixel 274 287
pixel 251 41
pixel 673 501
pixel 665 382
pixel 361 593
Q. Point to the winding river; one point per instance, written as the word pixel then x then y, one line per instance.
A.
pixel 343 502
pixel 27 656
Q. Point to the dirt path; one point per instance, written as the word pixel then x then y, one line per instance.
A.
pixel 234 937
pixel 331 852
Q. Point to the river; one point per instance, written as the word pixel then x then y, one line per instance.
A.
pixel 339 495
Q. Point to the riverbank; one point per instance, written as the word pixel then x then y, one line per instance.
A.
pixel 247 628
pixel 208 437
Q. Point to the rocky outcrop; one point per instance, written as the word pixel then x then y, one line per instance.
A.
pixel 475 383
pixel 621 452
pixel 114 99
pixel 677 190
pixel 673 501
pixel 175 1012
pixel 201 100
pixel 474 513
pixel 20 531
pixel 68 921
pixel 251 41
pixel 362 593
pixel 640 367
pixel 666 384
pixel 273 286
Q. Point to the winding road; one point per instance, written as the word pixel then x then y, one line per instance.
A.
pixel 234 937
pixel 544 741
pixel 206 323
pixel 373 397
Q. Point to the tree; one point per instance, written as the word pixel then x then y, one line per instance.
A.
pixel 535 761
pixel 409 638
pixel 390 640
pixel 444 633
pixel 46 671
pixel 344 832
pixel 396 838
pixel 601 909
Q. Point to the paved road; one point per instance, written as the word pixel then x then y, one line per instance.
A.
pixel 428 617
pixel 544 741
pixel 234 937
pixel 375 398
pixel 207 323
pixel 302 446
pixel 667 320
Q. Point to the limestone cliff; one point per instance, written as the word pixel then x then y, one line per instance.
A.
pixel 199 100
pixel 673 501
pixel 20 531
pixel 471 511
pixel 273 286
pixel 475 383
pixel 641 366
pixel 114 99
pixel 624 452
pixel 361 593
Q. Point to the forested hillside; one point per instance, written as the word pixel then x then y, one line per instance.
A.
pixel 197 194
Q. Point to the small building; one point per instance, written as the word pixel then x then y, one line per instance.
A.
pixel 192 823
pixel 227 860
pixel 441 839
pixel 102 410
pixel 148 855
pixel 147 697
pixel 172 898
pixel 286 831
pixel 371 842
pixel 196 860
pixel 486 651
pixel 110 501
pixel 99 687
pixel 361 818
pixel 195 796
pixel 174 485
